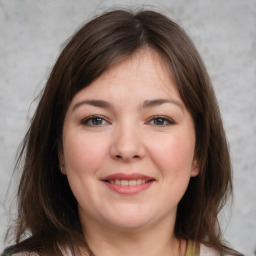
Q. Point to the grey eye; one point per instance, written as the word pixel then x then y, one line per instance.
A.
pixel 161 121
pixel 94 121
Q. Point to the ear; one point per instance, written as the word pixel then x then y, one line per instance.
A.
pixel 194 168
pixel 61 159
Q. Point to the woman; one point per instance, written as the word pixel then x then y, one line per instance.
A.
pixel 126 153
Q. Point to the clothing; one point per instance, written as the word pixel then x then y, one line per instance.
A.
pixel 204 251
pixel 207 251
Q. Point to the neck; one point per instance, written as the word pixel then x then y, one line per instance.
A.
pixel 151 242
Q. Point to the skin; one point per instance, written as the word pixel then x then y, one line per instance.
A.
pixel 130 136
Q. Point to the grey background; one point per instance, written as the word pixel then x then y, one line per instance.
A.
pixel 33 31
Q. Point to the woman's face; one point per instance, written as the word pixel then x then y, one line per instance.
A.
pixel 128 146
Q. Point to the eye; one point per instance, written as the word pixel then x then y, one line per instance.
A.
pixel 161 121
pixel 94 121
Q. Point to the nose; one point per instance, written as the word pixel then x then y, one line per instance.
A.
pixel 127 144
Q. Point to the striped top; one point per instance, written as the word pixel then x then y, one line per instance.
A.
pixel 191 251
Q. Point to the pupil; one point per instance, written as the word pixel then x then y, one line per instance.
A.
pixel 96 121
pixel 159 121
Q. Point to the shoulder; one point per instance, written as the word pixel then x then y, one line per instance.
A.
pixel 19 254
pixel 10 252
pixel 25 254
pixel 210 251
pixel 207 251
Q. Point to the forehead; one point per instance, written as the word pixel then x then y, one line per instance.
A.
pixel 144 70
pixel 145 61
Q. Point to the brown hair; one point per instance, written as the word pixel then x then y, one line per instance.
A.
pixel 47 209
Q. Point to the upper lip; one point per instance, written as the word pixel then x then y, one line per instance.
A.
pixel 124 176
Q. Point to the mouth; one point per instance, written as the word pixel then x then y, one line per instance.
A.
pixel 128 183
pixel 133 182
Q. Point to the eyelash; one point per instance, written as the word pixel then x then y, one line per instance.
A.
pixel 164 121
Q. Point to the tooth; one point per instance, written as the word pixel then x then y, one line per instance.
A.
pixel 124 182
pixel 128 182
pixel 132 182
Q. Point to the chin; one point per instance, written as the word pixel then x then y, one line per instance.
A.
pixel 130 221
pixel 129 227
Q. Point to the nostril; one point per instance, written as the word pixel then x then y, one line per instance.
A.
pixel 123 157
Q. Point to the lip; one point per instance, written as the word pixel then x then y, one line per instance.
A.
pixel 126 189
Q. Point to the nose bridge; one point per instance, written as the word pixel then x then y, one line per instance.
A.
pixel 127 143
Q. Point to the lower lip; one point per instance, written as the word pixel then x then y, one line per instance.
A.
pixel 129 190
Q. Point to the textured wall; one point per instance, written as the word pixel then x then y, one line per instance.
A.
pixel 31 35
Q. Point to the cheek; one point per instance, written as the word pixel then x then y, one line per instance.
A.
pixel 83 157
pixel 174 154
pixel 174 160
pixel 83 154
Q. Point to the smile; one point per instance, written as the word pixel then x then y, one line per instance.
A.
pixel 128 184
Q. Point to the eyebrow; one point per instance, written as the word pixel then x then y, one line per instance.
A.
pixel 146 104
pixel 157 102
pixel 95 103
